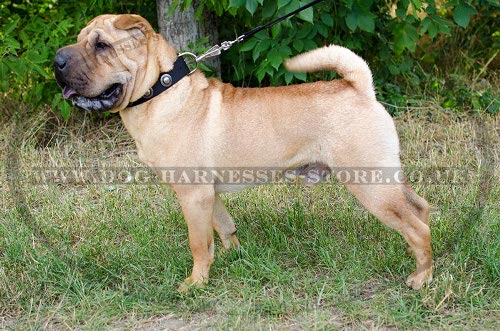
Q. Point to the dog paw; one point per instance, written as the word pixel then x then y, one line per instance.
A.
pixel 190 283
pixel 235 242
pixel 230 241
pixel 419 278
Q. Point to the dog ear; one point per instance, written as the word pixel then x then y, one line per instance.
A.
pixel 131 21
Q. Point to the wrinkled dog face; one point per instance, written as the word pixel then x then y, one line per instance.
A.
pixel 97 72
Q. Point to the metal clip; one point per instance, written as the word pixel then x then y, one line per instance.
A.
pixel 213 51
pixel 216 50
pixel 225 45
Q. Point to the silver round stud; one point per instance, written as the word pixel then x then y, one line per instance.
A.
pixel 148 94
pixel 166 80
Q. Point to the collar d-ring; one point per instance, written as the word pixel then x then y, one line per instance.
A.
pixel 192 63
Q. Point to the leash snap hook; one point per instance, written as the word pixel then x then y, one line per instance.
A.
pixel 225 45
pixel 213 51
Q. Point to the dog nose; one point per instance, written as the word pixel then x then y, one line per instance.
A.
pixel 61 59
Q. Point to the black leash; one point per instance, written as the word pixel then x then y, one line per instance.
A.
pixel 225 45
pixel 250 33
pixel 181 69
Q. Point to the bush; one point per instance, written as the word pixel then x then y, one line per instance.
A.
pixel 396 39
pixel 392 36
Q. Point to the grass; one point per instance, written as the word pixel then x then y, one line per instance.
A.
pixel 101 256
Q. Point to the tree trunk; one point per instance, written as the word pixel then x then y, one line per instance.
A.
pixel 181 28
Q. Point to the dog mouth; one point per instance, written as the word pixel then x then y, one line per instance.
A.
pixel 102 102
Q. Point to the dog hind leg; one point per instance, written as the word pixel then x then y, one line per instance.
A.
pixel 389 204
pixel 419 206
pixel 224 225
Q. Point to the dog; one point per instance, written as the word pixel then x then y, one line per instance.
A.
pixel 201 123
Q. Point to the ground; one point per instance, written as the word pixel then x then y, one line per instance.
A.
pixel 79 255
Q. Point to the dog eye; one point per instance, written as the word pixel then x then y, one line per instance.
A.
pixel 100 46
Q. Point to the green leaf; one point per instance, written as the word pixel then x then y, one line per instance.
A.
pixel 401 13
pixel 172 8
pixel 261 72
pixel 248 45
pixel 4 86
pixel 56 100
pixel 476 103
pixel 362 18
pixel 276 30
pixel 285 51
pixel 425 25
pixel 255 54
pixel 262 35
pixel 65 109
pixel 300 76
pixel 10 27
pixel 12 43
pixel 452 3
pixel 288 77
pixel 264 45
pixel 186 4
pixel 394 70
pixel 417 4
pixel 323 30
pixel 443 25
pixel 405 36
pixel 462 12
pixel 293 5
pixel 309 45
pixel 348 3
pixel 313 33
pixel 251 6
pixel 327 19
pixel 283 3
pixel 433 24
pixel 275 59
pixel 493 3
pixel 17 66
pixel 34 57
pixel 261 46
pixel 40 70
pixel 234 3
pixel 430 9
pixel 268 9
pixel 305 29
pixel 366 21
pixel 307 15
pixel 351 21
pixel 298 45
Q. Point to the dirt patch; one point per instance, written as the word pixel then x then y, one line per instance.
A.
pixel 7 323
pixel 168 322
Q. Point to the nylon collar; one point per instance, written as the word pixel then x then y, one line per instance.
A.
pixel 165 81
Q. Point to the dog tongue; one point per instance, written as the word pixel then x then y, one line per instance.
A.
pixel 68 92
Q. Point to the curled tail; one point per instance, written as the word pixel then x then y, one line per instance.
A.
pixel 339 59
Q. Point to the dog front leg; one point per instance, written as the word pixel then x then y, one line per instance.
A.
pixel 198 208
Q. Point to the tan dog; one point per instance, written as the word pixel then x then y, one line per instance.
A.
pixel 205 124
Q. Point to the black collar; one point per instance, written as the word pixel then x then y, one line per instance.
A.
pixel 165 81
